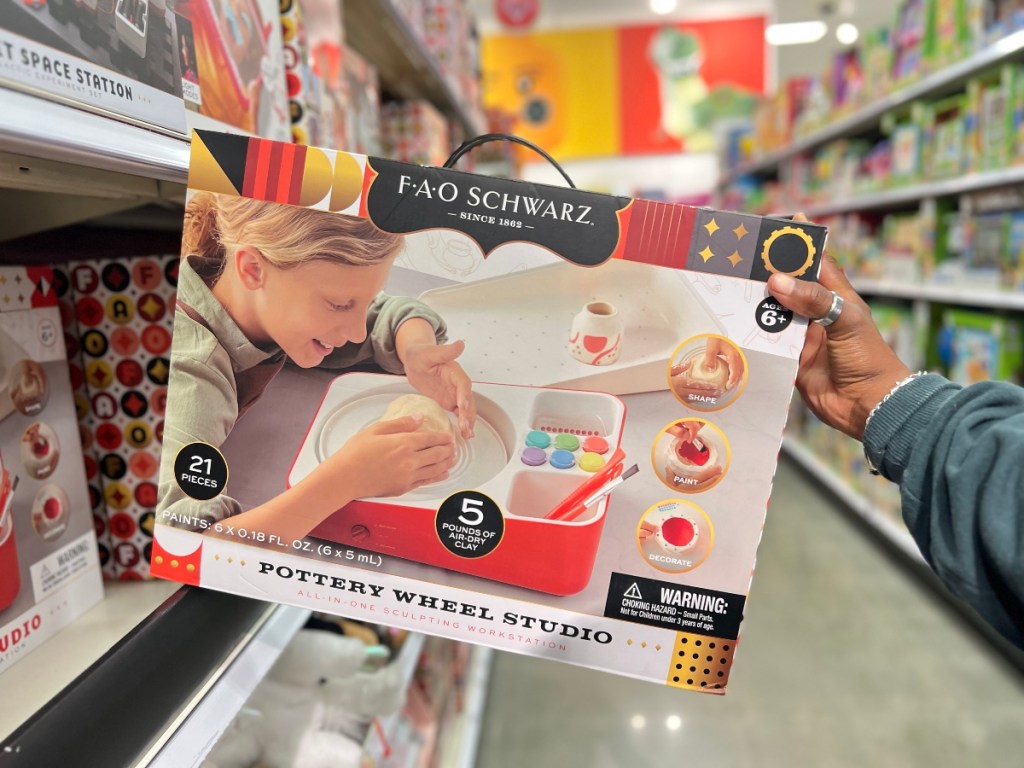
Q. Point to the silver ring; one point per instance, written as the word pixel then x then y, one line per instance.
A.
pixel 833 313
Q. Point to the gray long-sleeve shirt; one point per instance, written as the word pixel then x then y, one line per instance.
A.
pixel 216 373
pixel 958 456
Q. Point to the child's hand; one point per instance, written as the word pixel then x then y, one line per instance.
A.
pixel 390 458
pixel 432 369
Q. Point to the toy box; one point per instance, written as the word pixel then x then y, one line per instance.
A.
pixel 125 59
pixel 124 308
pixel 49 563
pixel 239 64
pixel 631 379
pixel 304 86
pixel 978 346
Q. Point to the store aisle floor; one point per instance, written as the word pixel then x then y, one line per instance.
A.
pixel 845 661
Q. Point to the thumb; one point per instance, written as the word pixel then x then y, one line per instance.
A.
pixel 408 423
pixel 803 297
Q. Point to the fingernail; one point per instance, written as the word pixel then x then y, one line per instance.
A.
pixel 783 283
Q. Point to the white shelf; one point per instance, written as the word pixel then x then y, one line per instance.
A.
pixel 935 83
pixel 459 748
pixel 943 294
pixel 49 668
pixel 891 198
pixel 890 530
pixel 38 127
pixel 382 733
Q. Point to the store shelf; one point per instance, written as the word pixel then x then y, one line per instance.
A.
pixel 215 705
pixel 943 294
pixel 407 69
pixel 122 707
pixel 937 83
pixel 460 742
pixel 45 671
pixel 49 130
pixel 891 531
pixel 902 196
pixel 383 730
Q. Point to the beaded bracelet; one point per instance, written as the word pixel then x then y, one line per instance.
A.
pixel 895 388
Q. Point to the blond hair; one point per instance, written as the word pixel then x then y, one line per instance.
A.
pixel 286 235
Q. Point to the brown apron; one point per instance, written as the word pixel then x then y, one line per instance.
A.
pixel 249 383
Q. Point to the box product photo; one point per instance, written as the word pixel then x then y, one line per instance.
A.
pixel 524 416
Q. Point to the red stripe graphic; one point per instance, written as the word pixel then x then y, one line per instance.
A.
pixel 259 184
pixel 273 174
pixel 251 154
pixel 295 182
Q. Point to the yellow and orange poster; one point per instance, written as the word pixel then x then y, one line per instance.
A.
pixel 629 90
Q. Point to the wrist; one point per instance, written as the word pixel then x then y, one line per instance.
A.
pixel 412 332
pixel 876 390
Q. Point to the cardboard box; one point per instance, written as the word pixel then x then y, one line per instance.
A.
pixel 124 308
pixel 515 548
pixel 122 58
pixel 49 563
pixel 236 78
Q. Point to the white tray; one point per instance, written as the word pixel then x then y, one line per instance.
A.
pixel 491 462
pixel 516 327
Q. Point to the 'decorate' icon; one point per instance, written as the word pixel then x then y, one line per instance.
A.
pixel 675 536
pixel 200 471
pixel 469 524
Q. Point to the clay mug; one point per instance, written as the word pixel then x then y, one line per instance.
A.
pixel 596 334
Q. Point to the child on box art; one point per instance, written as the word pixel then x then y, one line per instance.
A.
pixel 261 282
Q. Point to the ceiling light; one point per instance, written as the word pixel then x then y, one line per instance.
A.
pixel 796 33
pixel 663 7
pixel 847 33
pixel 674 722
pixel 638 722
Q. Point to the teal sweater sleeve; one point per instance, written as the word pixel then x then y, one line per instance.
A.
pixel 958 456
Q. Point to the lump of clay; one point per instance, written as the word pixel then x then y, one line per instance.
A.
pixel 435 418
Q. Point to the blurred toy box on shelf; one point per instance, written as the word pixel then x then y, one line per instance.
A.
pixel 979 346
pixel 237 65
pixel 124 310
pixel 126 58
pixel 49 561
pixel 414 132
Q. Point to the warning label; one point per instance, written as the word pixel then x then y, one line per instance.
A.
pixel 674 606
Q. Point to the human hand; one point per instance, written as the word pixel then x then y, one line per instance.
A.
pixel 685 430
pixel 847 368
pixel 647 530
pixel 390 458
pixel 691 373
pixel 718 350
pixel 431 369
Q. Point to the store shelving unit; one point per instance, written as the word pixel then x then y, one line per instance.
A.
pixel 939 83
pixel 863 507
pixel 861 122
pixel 459 747
pixel 899 197
pixel 378 30
pixel 156 674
